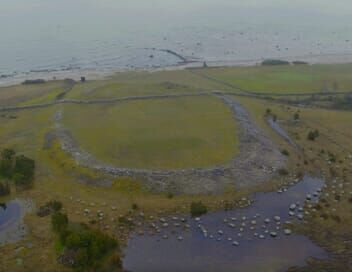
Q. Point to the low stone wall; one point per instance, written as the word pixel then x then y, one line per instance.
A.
pixel 258 160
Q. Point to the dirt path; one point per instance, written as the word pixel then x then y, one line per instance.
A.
pixel 257 162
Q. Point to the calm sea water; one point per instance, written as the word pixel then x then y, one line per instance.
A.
pixel 41 35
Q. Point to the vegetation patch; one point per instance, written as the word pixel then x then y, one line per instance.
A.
pixel 198 209
pixel 170 133
pixel 49 208
pixel 18 169
pixel 313 135
pixel 83 248
pixel 271 62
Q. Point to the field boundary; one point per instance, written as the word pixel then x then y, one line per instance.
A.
pixel 245 169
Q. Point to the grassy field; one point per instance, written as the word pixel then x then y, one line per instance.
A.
pixel 285 79
pixel 172 133
pixel 24 130
pixel 262 79
pixel 29 94
pixel 160 133
pixel 114 89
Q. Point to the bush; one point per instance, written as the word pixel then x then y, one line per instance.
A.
pixel 59 222
pixel 7 154
pixel 274 117
pixel 25 167
pixel 170 195
pixel 271 62
pixel 123 220
pixel 198 208
pixel 312 135
pixel 84 249
pixel 296 116
pixel 6 168
pixel 89 247
pixel 49 208
pixel 283 172
pixel 55 205
pixel 4 188
pixel 332 157
pixel 20 169
pixel 298 62
pixel 33 81
pixel 285 152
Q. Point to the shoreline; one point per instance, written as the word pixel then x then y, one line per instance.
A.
pixel 101 74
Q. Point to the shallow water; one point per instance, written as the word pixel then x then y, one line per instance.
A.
pixel 199 252
pixel 103 35
pixel 10 213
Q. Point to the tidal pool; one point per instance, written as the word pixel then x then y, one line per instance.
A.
pixel 11 227
pixel 237 240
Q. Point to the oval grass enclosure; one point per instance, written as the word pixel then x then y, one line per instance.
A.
pixel 172 133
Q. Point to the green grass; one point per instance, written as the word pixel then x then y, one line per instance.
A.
pixel 165 133
pixel 44 98
pixel 26 133
pixel 115 89
pixel 31 94
pixel 285 79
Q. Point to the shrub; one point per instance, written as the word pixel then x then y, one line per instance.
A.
pixel 6 168
pixel 20 169
pixel 298 62
pixel 274 117
pixel 283 172
pixel 170 195
pixel 55 205
pixel 134 206
pixel 24 168
pixel 49 208
pixel 7 154
pixel 4 188
pixel 332 157
pixel 296 116
pixel 198 208
pixel 59 222
pixel 285 152
pixel 89 247
pixel 271 62
pixel 312 135
pixel 33 81
pixel 123 220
